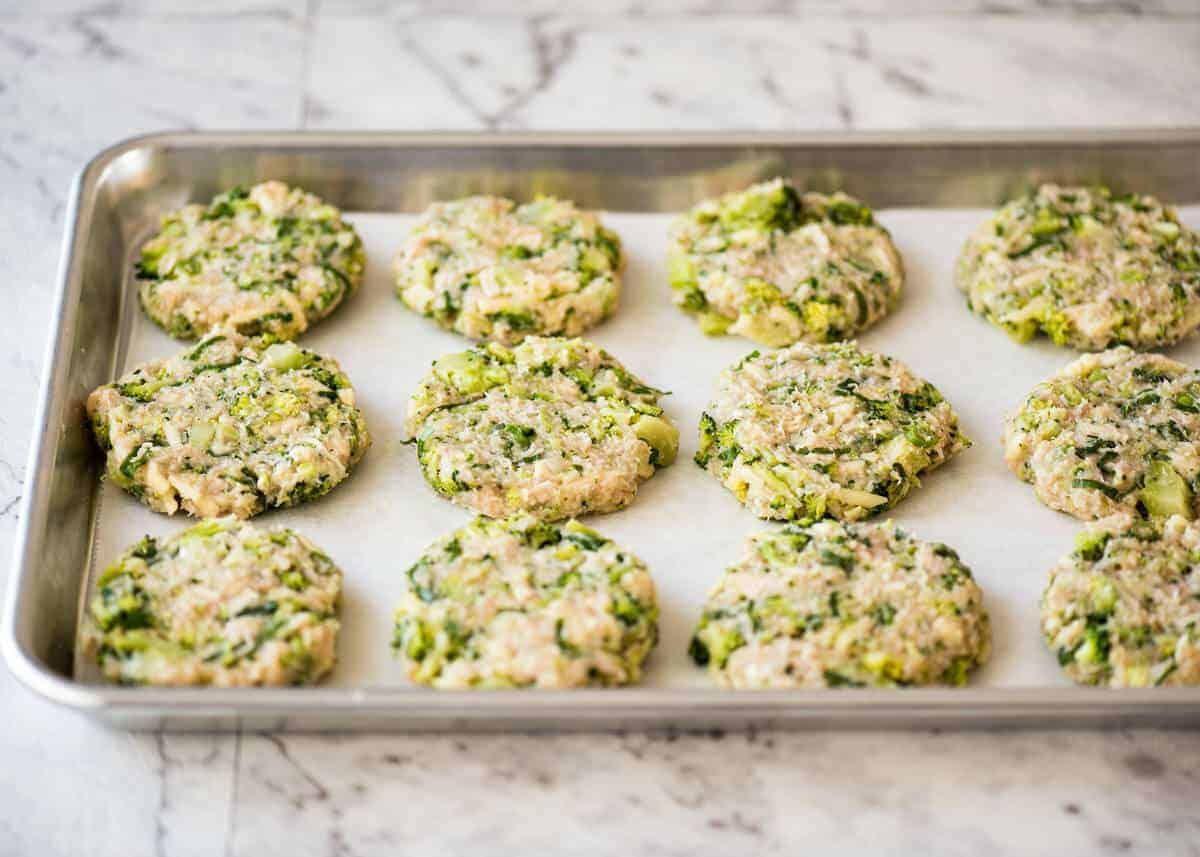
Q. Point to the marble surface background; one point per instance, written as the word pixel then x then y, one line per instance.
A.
pixel 76 75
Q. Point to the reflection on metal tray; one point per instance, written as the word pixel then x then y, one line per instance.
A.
pixel 122 192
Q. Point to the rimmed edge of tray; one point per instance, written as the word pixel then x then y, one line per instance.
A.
pixel 326 708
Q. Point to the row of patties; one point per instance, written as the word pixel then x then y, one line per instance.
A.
pixel 1087 268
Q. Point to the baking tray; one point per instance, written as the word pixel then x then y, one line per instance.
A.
pixel 640 179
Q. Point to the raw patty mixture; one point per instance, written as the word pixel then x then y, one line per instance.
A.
pixel 523 603
pixel 491 269
pixel 779 267
pixel 1123 609
pixel 223 603
pixel 1087 269
pixel 843 605
pixel 231 426
pixel 554 427
pixel 271 259
pixel 816 430
pixel 1115 431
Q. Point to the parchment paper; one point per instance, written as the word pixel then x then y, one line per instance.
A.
pixel 684 524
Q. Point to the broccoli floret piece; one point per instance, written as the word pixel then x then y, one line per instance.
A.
pixel 713 644
pixel 1164 492
pixel 1089 545
pixel 662 437
pixel 771 205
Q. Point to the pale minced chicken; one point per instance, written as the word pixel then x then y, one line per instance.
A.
pixel 1123 609
pixel 555 427
pixel 491 269
pixel 1088 269
pixel 843 605
pixel 232 426
pixel 521 603
pixel 816 430
pixel 271 259
pixel 1115 431
pixel 223 603
pixel 779 267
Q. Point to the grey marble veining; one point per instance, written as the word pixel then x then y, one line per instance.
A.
pixel 77 75
pixel 751 71
pixel 720 794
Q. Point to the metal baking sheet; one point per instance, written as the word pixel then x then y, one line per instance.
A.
pixel 683 523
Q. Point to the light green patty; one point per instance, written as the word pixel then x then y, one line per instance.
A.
pixel 491 269
pixel 1123 609
pixel 816 430
pixel 1088 269
pixel 843 605
pixel 271 259
pixel 554 427
pixel 780 267
pixel 518 603
pixel 1115 431
pixel 231 426
pixel 223 603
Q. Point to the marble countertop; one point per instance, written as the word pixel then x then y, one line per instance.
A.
pixel 77 75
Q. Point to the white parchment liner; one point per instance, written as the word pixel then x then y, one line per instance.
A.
pixel 683 523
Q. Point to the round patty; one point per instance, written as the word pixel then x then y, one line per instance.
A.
pixel 271 259
pixel 519 603
pixel 554 427
pixel 491 269
pixel 1088 269
pixel 816 430
pixel 223 603
pixel 1123 610
pixel 843 605
pixel 231 426
pixel 1112 431
pixel 780 267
